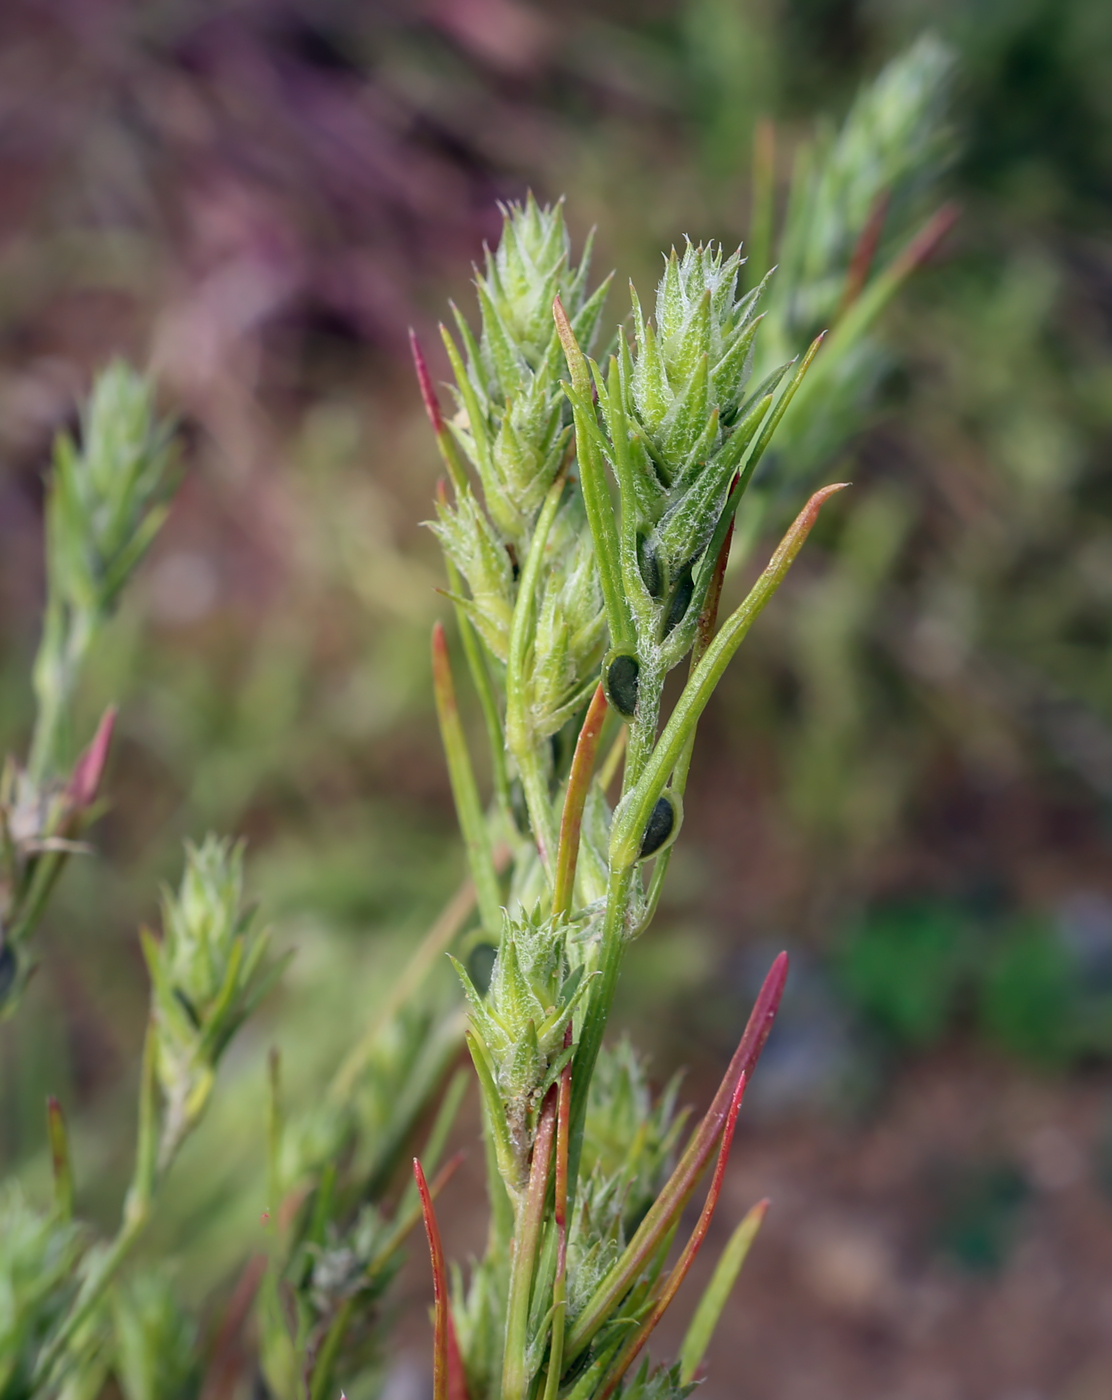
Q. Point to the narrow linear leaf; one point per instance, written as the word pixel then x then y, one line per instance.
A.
pixel 669 1204
pixel 682 1267
pixel 596 494
pixel 462 777
pixel 714 1299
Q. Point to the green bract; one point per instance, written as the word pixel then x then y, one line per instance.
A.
pixel 207 975
pixel 513 422
pixel 518 1026
pixel 107 500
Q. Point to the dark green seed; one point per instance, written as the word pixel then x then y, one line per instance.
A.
pixel 679 602
pixel 661 821
pixel 188 1007
pixel 480 966
pixel 8 969
pixel 649 564
pixel 621 684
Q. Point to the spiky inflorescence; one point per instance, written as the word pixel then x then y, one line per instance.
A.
pixel 679 421
pixel 893 144
pixel 518 1026
pixel 513 421
pixel 207 974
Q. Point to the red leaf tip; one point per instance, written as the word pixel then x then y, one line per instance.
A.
pixel 424 380
pixel 89 768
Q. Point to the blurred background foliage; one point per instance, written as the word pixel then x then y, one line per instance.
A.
pixel 907 777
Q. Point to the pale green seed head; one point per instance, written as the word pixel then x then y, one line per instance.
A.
pixel 202 920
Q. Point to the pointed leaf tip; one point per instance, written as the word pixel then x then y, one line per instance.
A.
pixel 89 768
pixel 424 380
pixel 929 237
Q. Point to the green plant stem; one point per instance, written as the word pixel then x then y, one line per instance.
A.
pixel 48 867
pixel 633 813
pixel 646 718
pixel 708 618
pixel 136 1213
pixel 519 735
pixel 623 891
pixel 527 1237
pixel 472 819
pixel 67 636
pixel 325 1362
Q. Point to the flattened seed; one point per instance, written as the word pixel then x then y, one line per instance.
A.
pixel 8 969
pixel 659 827
pixel 679 602
pixel 649 564
pixel 621 684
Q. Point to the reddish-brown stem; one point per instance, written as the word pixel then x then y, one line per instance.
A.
pixel 579 782
pixel 667 1207
pixel 448 1380
pixel 708 618
pixel 530 1223
pixel 865 251
pixel 683 1264
pixel 926 240
pixel 227 1361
